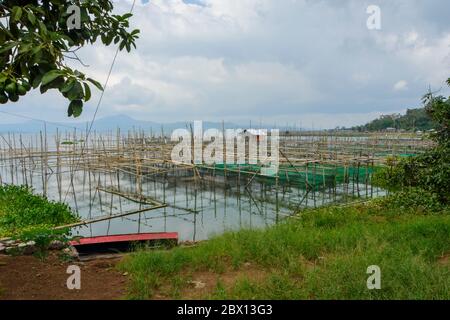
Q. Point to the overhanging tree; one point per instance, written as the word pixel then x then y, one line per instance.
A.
pixel 36 42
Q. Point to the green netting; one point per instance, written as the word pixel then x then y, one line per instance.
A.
pixel 313 176
pixel 385 154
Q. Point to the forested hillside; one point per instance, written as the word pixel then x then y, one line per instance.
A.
pixel 414 119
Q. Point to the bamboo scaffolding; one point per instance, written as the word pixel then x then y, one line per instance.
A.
pixel 136 167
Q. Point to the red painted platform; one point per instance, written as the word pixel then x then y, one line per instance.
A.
pixel 125 238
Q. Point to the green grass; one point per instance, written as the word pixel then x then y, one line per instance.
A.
pixel 25 215
pixel 322 255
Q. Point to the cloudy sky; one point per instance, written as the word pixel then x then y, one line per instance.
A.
pixel 304 62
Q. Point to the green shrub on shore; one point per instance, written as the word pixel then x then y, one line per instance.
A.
pixel 416 199
pixel 429 171
pixel 27 216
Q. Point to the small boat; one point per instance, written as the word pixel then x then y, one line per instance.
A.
pixel 124 242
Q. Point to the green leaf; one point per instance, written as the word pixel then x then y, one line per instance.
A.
pixel 50 76
pixel 37 56
pixel 75 108
pixel 11 88
pixel 31 17
pixel 36 49
pixel 25 48
pixel 7 47
pixel 109 39
pixel 42 28
pixel 39 9
pixel 95 83
pixel 84 16
pixel 58 83
pixel 37 81
pixel 16 13
pixel 55 84
pixel 68 85
pixel 76 92
pixel 24 69
pixel 87 92
pixel 43 89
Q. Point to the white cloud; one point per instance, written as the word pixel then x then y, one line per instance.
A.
pixel 401 85
pixel 429 58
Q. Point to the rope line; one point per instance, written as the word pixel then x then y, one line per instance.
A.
pixel 40 120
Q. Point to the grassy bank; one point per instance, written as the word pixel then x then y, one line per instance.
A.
pixel 26 215
pixel 323 254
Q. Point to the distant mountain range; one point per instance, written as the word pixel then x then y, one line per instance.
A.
pixel 125 123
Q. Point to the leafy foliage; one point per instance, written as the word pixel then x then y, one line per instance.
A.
pixel 431 170
pixel 31 217
pixel 399 173
pixel 36 41
pixel 415 199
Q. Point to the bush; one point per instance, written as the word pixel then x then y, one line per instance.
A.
pixel 412 199
pixel 431 170
pixel 399 173
pixel 27 216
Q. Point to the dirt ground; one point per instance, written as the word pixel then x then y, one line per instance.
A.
pixel 201 284
pixel 29 278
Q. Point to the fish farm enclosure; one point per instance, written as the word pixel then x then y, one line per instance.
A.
pixel 127 183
